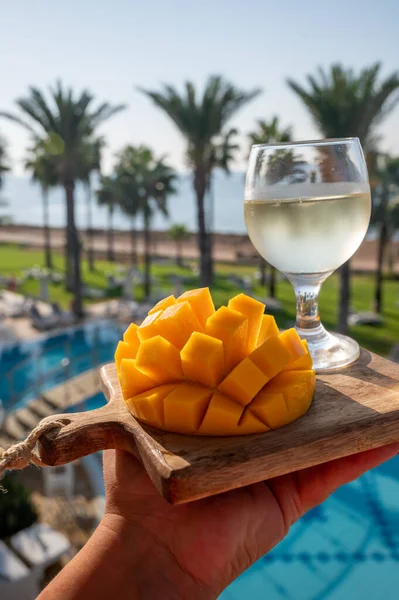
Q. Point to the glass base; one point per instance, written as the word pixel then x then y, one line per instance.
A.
pixel 329 351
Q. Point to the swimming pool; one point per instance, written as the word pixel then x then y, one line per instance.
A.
pixel 345 549
pixel 28 368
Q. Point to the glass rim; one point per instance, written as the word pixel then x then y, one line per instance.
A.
pixel 320 142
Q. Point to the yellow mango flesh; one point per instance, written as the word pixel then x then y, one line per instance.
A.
pixel 131 336
pixel 185 407
pixel 231 327
pixel 201 302
pixel 304 362
pixel 159 359
pixel 124 350
pixel 222 416
pixel 149 327
pixel 202 359
pixel 268 329
pixel 162 304
pixel 253 310
pixel 149 406
pixel 177 323
pixel 132 380
pixel 191 370
pixel 243 382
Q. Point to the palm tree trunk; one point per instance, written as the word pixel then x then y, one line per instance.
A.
pixel 262 271
pixel 90 249
pixel 382 242
pixel 344 298
pixel 74 248
pixel 272 282
pixel 110 234
pixel 179 257
pixel 147 257
pixel 133 242
pixel 46 230
pixel 204 247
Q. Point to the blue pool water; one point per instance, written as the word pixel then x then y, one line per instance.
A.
pixel 27 368
pixel 345 549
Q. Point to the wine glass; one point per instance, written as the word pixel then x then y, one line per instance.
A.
pixel 307 209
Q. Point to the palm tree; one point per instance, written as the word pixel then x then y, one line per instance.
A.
pixel 385 216
pixel 201 120
pixel 43 169
pixel 4 168
pixel 270 132
pixel 89 166
pixel 108 195
pixel 178 233
pixel 147 181
pixel 66 123
pixel 343 103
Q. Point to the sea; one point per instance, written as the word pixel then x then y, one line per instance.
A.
pixel 24 205
pixel 21 200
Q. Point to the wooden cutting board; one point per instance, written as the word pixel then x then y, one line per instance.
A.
pixel 354 409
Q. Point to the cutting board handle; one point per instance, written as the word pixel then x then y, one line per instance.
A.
pixel 83 433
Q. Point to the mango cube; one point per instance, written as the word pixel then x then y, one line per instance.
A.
pixel 231 327
pixel 131 337
pixel 222 416
pixel 268 329
pixel 253 310
pixel 298 389
pixel 148 406
pixel 177 323
pixel 304 362
pixel 132 380
pixel 159 359
pixel 293 343
pixel 203 360
pixel 270 408
pixel 124 350
pixel 185 407
pixel 162 304
pixel 201 302
pixel 249 423
pixel 243 382
pixel 271 357
pixel 149 327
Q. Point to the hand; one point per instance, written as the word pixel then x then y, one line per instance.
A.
pixel 205 545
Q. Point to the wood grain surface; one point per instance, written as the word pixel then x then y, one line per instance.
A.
pixel 354 409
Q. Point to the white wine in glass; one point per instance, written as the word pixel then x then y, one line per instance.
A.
pixel 307 209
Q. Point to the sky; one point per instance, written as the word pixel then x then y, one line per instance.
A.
pixel 111 47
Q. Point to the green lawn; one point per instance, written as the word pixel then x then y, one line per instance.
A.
pixel 13 260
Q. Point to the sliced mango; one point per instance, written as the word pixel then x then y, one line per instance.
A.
pixel 268 329
pixel 270 408
pixel 271 357
pixel 149 327
pixel 177 323
pixel 253 310
pixel 249 423
pixel 298 389
pixel 222 416
pixel 131 337
pixel 185 407
pixel 231 327
pixel 159 359
pixel 148 406
pixel 124 350
pixel 201 302
pixel 293 343
pixel 243 382
pixel 203 360
pixel 304 362
pixel 162 304
pixel 132 380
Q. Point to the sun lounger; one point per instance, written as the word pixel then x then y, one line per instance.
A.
pixel 17 582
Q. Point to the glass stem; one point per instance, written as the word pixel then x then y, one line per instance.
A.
pixel 307 288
